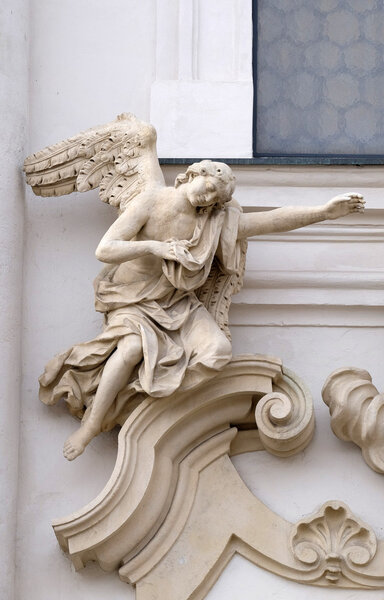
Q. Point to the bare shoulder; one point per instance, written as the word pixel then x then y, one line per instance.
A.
pixel 139 208
pixel 134 217
pixel 142 204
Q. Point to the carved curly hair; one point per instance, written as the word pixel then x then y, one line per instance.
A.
pixel 207 168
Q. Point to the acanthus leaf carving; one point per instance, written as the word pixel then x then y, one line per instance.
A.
pixel 333 542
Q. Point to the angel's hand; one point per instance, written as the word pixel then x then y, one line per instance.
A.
pixel 170 249
pixel 160 249
pixel 343 205
pixel 163 250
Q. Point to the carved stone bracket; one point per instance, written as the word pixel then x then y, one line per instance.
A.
pixel 357 409
pixel 175 509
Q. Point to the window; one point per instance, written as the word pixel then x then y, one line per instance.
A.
pixel 319 81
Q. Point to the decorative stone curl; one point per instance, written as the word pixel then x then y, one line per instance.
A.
pixel 284 417
pixel 357 412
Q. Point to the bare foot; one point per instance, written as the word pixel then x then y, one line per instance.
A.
pixel 76 443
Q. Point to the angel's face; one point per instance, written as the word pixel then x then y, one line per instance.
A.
pixel 201 190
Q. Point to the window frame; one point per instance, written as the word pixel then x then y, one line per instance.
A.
pixel 259 158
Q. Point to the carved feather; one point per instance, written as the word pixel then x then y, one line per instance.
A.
pixel 115 188
pixel 65 187
pixel 218 289
pixel 93 170
pixel 119 157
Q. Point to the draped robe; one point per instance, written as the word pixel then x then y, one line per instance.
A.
pixel 164 310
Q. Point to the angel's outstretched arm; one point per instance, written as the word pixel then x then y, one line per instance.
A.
pixel 294 217
pixel 117 245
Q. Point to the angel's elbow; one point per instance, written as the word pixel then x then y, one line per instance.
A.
pixel 102 253
pixel 242 232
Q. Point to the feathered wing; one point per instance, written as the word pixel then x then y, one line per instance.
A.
pixel 120 158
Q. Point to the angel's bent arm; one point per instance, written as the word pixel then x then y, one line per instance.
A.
pixel 116 245
pixel 294 217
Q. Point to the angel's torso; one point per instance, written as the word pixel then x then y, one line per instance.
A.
pixel 169 217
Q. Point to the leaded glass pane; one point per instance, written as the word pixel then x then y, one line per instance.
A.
pixel 320 77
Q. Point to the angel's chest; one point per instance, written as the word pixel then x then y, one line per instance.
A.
pixel 166 226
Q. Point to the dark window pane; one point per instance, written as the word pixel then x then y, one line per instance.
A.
pixel 320 77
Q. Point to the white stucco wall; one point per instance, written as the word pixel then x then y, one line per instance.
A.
pixel 313 299
pixel 201 97
pixel 89 62
pixel 13 137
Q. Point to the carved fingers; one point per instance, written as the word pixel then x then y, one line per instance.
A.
pixel 169 250
pixel 345 204
pixel 354 200
pixel 161 249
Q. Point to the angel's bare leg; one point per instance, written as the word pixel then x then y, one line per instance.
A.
pixel 115 377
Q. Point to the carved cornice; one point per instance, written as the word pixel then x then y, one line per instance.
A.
pixel 345 280
pixel 305 314
pixel 357 410
pixel 371 233
pixel 288 291
pixel 304 176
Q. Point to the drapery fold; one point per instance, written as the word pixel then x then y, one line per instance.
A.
pixel 165 312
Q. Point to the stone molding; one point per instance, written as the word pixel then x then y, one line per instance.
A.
pixel 275 296
pixel 356 410
pixel 299 176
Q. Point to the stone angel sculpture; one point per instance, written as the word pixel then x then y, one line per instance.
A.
pixel 174 256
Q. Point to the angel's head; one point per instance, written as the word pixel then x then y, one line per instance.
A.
pixel 207 183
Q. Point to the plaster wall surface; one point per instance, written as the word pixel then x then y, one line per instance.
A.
pixel 13 137
pixel 314 299
pixel 201 98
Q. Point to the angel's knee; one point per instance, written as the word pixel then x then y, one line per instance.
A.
pixel 130 349
pixel 216 346
pixel 221 346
